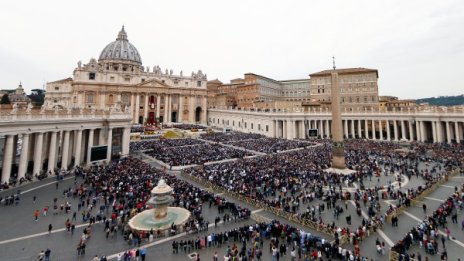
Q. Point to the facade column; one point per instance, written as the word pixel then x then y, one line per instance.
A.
pixel 8 155
pixel 64 158
pixel 448 132
pixel 90 145
pixel 380 130
pixel 403 130
pixel 137 108
pixel 132 104
pixel 158 105
pixel 109 143
pixel 411 131
pixel 125 141
pixel 78 148
pixel 346 128
pixel 204 110
pixel 145 108
pixel 23 160
pixel 387 126
pixel 457 134
pixel 353 135
pixel 52 152
pixel 395 130
pixel 180 111
pixel 359 129
pixel 373 130
pixel 38 153
pixel 166 108
pixel 366 130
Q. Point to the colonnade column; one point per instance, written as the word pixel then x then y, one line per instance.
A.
pixel 366 130
pixel 448 132
pixel 8 158
pixel 387 126
pixel 64 158
pixel 38 153
pixel 321 127
pixel 359 129
pixel 346 129
pixel 439 131
pixel 380 130
pixel 422 130
pixel 434 131
pixel 411 131
pixel 395 130
pixel 457 133
pixel 109 143
pixel 125 141
pixel 204 110
pixel 418 134
pixel 52 152
pixel 23 160
pixel 77 158
pixel 373 130
pixel 327 125
pixel 403 130
pixel 89 145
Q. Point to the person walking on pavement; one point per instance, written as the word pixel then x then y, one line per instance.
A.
pixel 50 227
pixel 36 215
pixel 47 254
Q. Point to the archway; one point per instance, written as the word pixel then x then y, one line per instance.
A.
pixel 198 114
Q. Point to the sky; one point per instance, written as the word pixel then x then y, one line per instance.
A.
pixel 417 45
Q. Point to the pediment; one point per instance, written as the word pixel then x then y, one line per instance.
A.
pixel 153 83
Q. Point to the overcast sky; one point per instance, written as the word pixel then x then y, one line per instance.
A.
pixel 417 45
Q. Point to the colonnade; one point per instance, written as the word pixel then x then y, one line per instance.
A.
pixel 375 129
pixel 37 142
pixel 56 148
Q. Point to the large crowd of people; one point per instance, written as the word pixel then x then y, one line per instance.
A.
pixel 248 243
pixel 189 126
pixel 157 144
pixel 426 234
pixel 199 154
pixel 270 145
pixel 229 137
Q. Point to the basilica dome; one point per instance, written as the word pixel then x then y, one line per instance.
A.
pixel 121 50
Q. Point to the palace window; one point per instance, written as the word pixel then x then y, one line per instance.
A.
pixel 127 79
pixel 89 98
pixel 198 83
pixel 91 76
pixel 57 88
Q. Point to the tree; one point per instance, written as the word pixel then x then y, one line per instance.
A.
pixel 5 99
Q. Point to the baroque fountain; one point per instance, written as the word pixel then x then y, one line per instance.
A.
pixel 160 217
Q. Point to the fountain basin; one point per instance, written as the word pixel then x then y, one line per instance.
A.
pixel 145 220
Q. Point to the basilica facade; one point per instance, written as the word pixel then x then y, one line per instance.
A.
pixel 118 81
